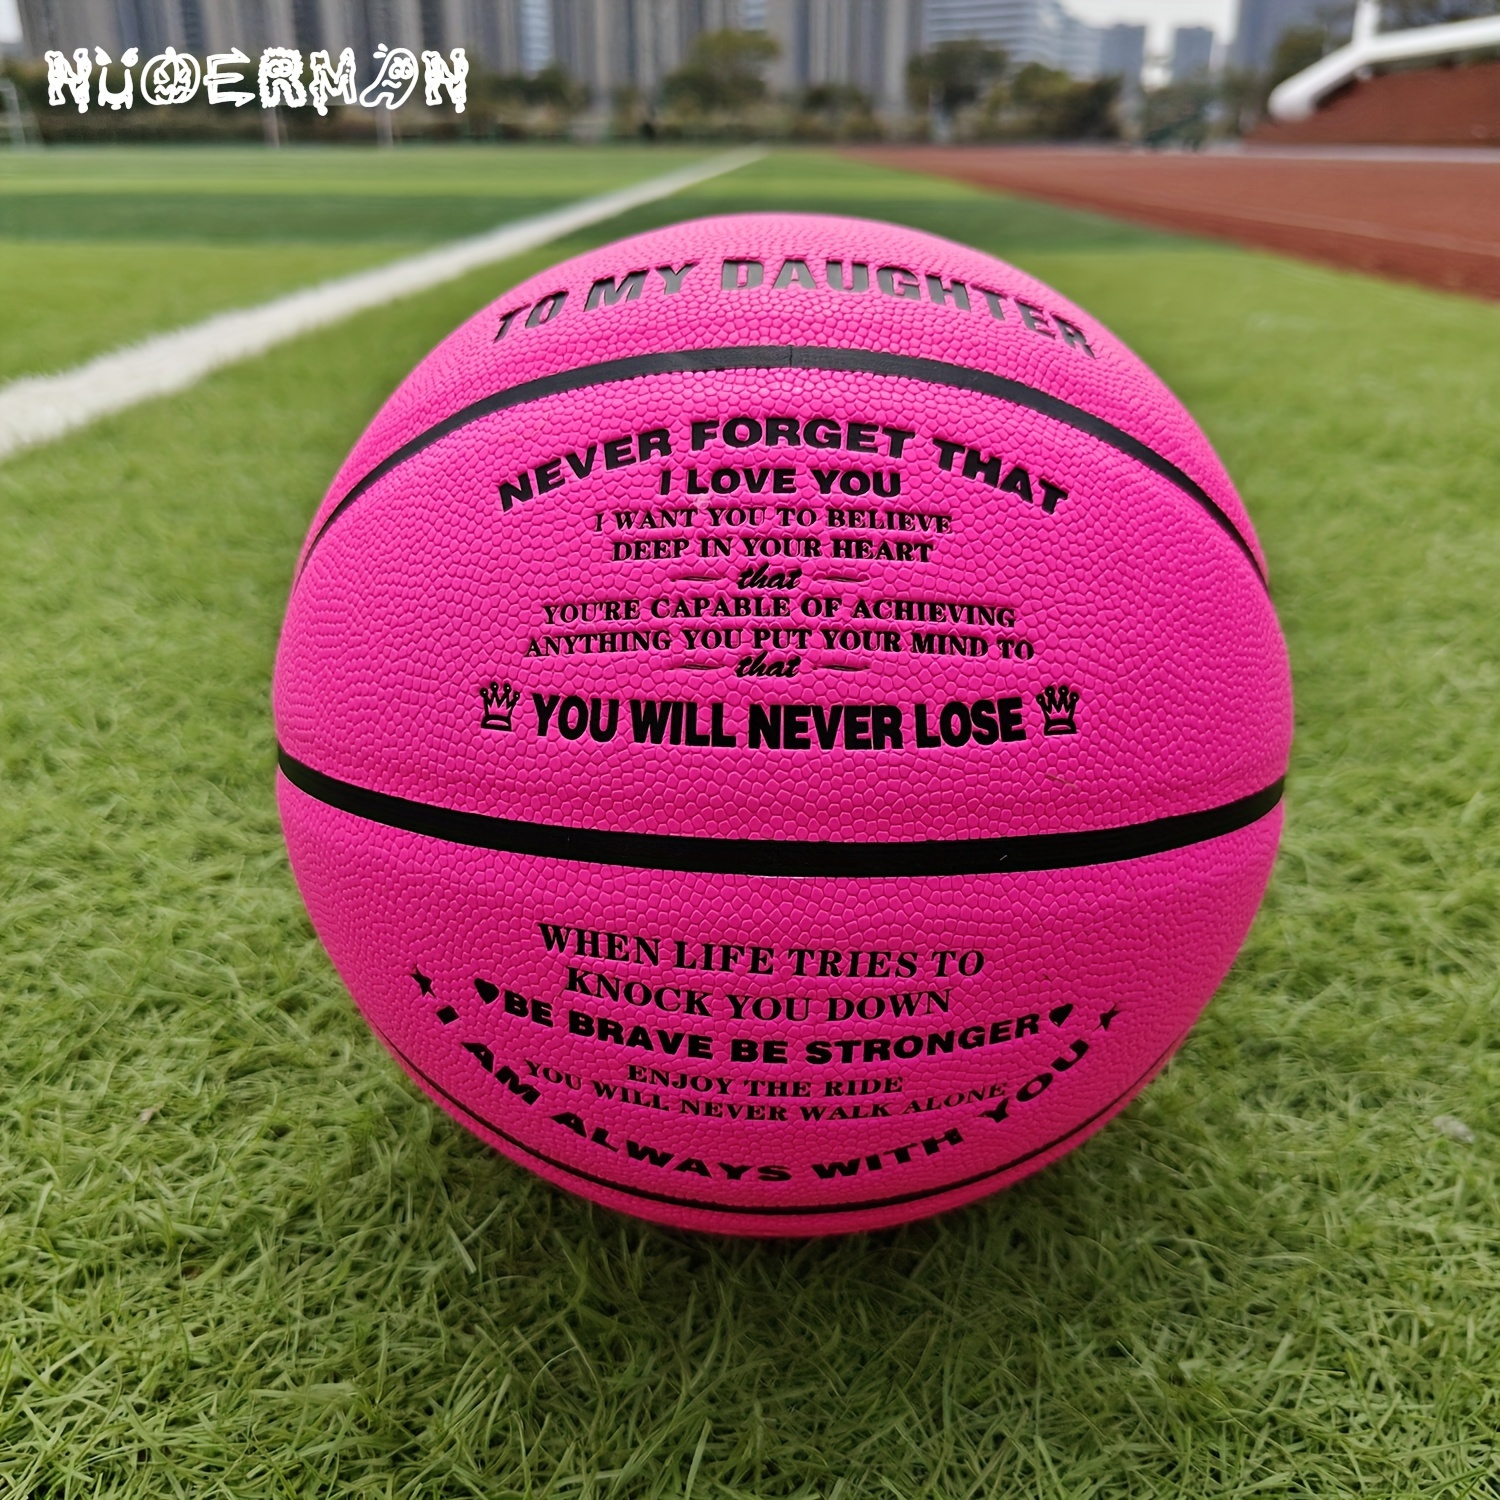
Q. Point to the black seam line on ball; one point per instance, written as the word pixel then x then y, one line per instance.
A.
pixel 767 1210
pixel 784 857
pixel 794 357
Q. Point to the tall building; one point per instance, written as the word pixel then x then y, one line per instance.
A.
pixel 493 32
pixel 604 44
pixel 534 30
pixel 1261 24
pixel 1192 53
pixel 66 24
pixel 1028 30
pixel 1122 55
pixel 610 44
pixel 863 43
pixel 1080 46
pixel 490 29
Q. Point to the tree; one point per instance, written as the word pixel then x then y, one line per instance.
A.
pixel 1178 112
pixel 1242 96
pixel 1297 47
pixel 835 110
pixel 519 105
pixel 552 88
pixel 1057 107
pixel 952 75
pixel 723 73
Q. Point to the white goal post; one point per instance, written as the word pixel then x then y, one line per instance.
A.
pixel 1298 97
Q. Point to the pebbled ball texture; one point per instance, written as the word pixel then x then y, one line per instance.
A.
pixel 782 724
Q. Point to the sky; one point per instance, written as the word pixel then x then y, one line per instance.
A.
pixel 10 21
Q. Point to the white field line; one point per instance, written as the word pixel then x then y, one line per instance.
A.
pixel 38 408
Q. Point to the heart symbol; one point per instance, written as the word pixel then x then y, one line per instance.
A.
pixel 487 992
pixel 1060 1014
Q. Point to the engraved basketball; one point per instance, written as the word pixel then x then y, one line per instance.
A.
pixel 782 725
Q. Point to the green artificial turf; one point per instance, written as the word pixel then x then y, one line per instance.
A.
pixel 241 1257
pixel 71 300
pixel 142 240
pixel 442 171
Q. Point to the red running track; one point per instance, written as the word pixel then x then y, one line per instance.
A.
pixel 1435 221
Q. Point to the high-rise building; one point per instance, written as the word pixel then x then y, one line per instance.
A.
pixel 491 30
pixel 66 24
pixel 1122 55
pixel 604 44
pixel 609 44
pixel 1192 53
pixel 202 26
pixel 534 29
pixel 863 43
pixel 1080 46
pixel 1028 31
pixel 1260 27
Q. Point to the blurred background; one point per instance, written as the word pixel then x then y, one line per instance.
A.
pixel 1184 73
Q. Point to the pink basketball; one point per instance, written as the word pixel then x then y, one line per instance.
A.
pixel 782 724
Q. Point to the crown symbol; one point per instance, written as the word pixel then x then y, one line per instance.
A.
pixel 1057 704
pixel 500 704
